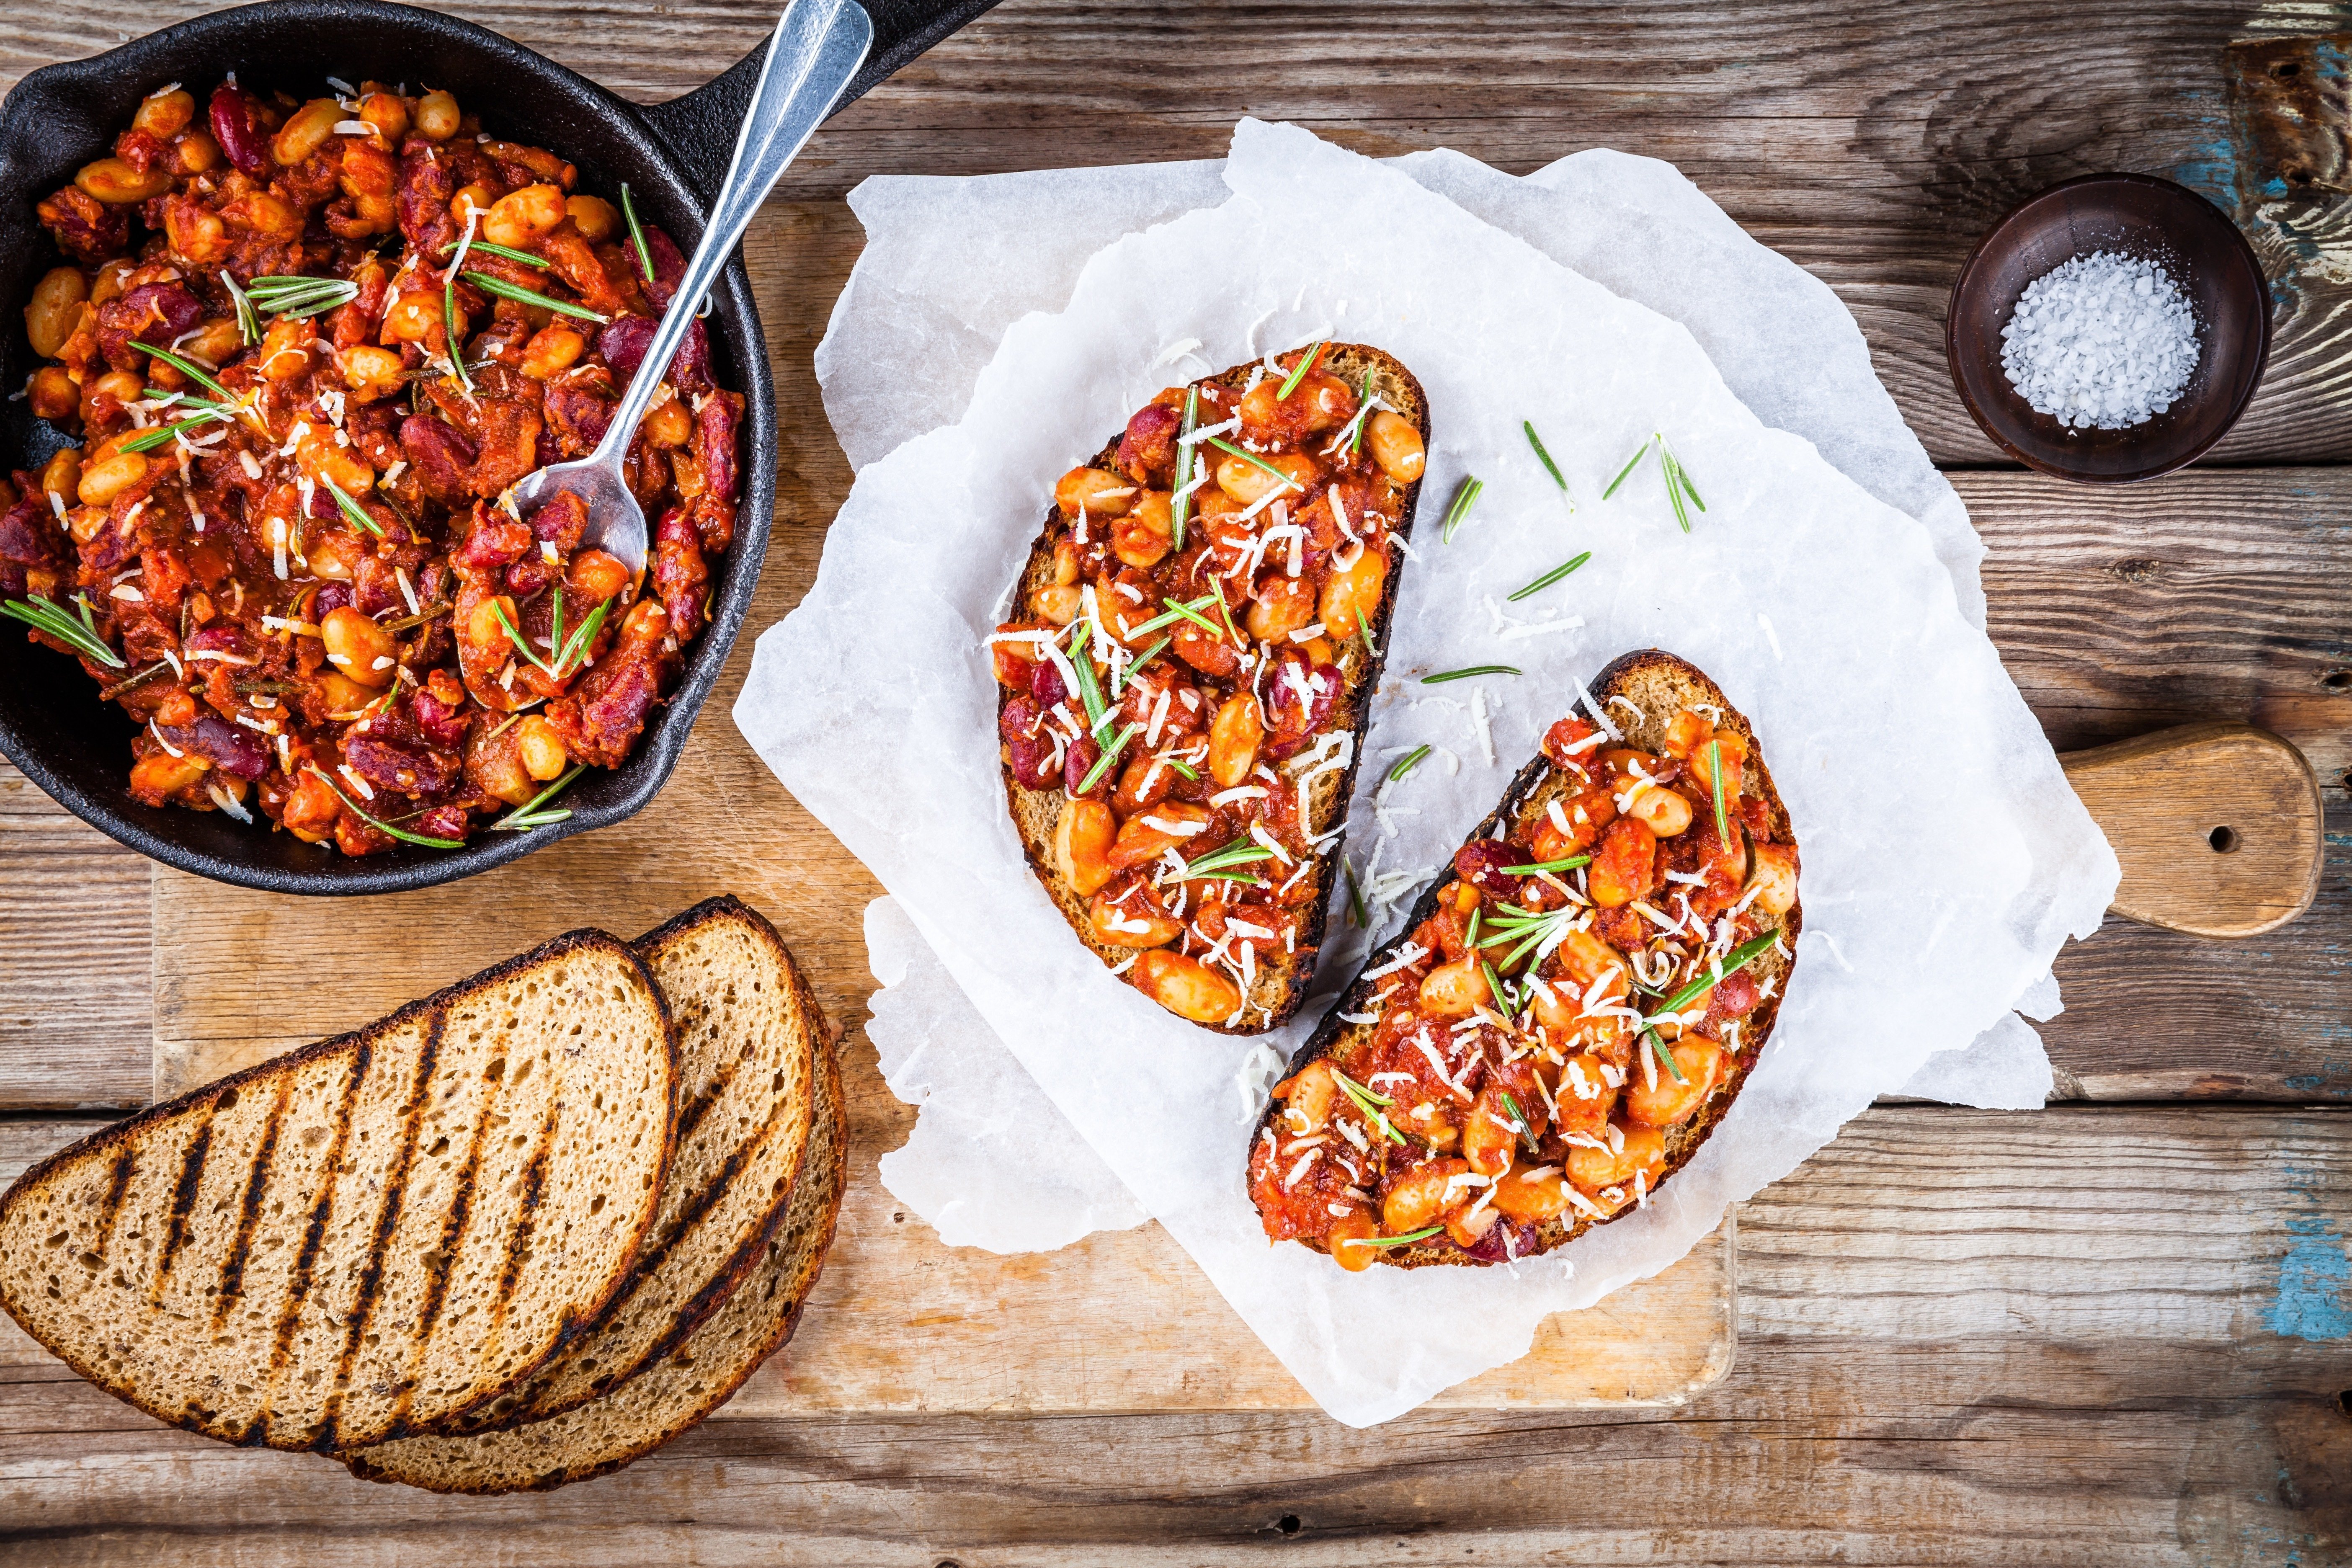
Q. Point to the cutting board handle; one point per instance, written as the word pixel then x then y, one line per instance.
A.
pixel 2220 828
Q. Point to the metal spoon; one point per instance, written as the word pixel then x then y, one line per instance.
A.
pixel 817 48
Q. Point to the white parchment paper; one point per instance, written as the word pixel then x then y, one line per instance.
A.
pixel 1944 856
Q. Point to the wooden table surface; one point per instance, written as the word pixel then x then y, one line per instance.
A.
pixel 2117 1330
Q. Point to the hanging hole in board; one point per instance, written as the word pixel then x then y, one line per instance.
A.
pixel 2223 839
pixel 2337 680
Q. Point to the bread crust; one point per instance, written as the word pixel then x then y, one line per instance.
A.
pixel 428 1011
pixel 1663 678
pixel 1280 985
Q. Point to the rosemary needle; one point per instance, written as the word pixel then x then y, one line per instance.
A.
pixel 1548 578
pixel 1442 677
pixel 1464 499
pixel 1407 763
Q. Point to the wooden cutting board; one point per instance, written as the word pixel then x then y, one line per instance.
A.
pixel 1118 1322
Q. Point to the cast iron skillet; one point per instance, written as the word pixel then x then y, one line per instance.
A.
pixel 673 156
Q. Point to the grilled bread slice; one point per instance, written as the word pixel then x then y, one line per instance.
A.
pixel 371 1233
pixel 748 1036
pixel 1279 968
pixel 695 1376
pixel 1642 693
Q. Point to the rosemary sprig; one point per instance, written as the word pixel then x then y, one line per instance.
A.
pixel 1082 665
pixel 1570 864
pixel 1464 499
pixel 1503 999
pixel 1545 457
pixel 1526 1126
pixel 1290 383
pixel 1366 627
pixel 1407 763
pixel 1529 930
pixel 511 253
pixel 1146 656
pixel 1178 612
pixel 429 612
pixel 188 370
pixel 1738 959
pixel 528 816
pixel 47 615
pixel 1221 445
pixel 1548 578
pixel 381 827
pixel 1186 458
pixel 148 440
pixel 1722 820
pixel 249 323
pixel 636 233
pixel 449 334
pixel 1182 766
pixel 505 290
pixel 284 295
pixel 1443 676
pixel 1110 756
pixel 1242 851
pixel 580 639
pixel 109 693
pixel 1371 1105
pixel 1421 1235
pixel 351 509
pixel 1639 453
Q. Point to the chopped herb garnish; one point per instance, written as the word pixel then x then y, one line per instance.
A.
pixel 1442 677
pixel 297 296
pixel 1110 756
pixel 109 694
pixel 1527 1127
pixel 1639 453
pixel 511 253
pixel 351 509
pixel 1531 932
pixel 190 371
pixel 1146 656
pixel 1407 763
pixel 1220 444
pixel 47 616
pixel 581 636
pixel 1722 820
pixel 1188 457
pixel 1548 578
pixel 1358 915
pixel 1366 627
pixel 1298 373
pixel 636 233
pixel 1543 456
pixel 1494 985
pixel 1570 864
pixel 1363 414
pixel 449 334
pixel 1369 1103
pixel 148 440
pixel 1180 612
pixel 1738 959
pixel 1465 499
pixel 528 814
pixel 532 297
pixel 1183 767
pixel 381 827
pixel 428 613
pixel 1082 665
pixel 1392 1240
pixel 1242 851
pixel 248 324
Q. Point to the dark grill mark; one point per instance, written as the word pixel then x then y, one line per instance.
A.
pixel 396 1183
pixel 232 1274
pixel 297 1289
pixel 453 1233
pixel 184 1204
pixel 534 1185
pixel 118 1183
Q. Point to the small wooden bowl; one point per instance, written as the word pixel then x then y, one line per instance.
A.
pixel 2150 220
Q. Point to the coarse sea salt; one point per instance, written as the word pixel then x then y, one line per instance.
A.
pixel 2103 340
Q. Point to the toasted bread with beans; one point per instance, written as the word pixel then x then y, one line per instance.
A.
pixel 1302 1164
pixel 372 1235
pixel 1203 973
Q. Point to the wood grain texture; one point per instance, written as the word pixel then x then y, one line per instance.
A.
pixel 2107 1336
pixel 73 959
pixel 1871 144
pixel 2218 828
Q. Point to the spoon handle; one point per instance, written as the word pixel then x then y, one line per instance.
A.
pixel 817 48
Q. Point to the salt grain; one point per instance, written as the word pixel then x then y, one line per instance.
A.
pixel 2103 340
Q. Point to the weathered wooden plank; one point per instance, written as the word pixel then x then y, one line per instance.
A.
pixel 2073 1336
pixel 73 959
pixel 1870 143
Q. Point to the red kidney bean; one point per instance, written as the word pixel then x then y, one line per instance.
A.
pixel 624 342
pixel 493 545
pixel 439 453
pixel 1020 724
pixel 1489 1247
pixel 1148 448
pixel 441 725
pixel 1079 760
pixel 236 126
pixel 399 767
pixel 1045 685
pixel 331 597
pixel 443 821
pixel 1481 865
pixel 225 745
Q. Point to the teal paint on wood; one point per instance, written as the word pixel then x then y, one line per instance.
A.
pixel 2314 1288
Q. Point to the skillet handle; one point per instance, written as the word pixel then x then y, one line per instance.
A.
pixel 700 127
